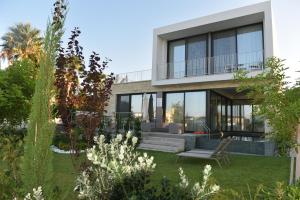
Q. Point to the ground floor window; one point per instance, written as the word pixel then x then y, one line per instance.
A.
pixel 187 108
pixel 132 104
pixel 233 115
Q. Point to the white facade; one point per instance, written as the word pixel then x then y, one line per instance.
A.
pixel 257 13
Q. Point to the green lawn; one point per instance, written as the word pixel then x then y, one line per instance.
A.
pixel 243 171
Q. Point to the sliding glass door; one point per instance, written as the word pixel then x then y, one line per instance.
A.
pixel 174 108
pixel 186 108
pixel 250 47
pixel 224 51
pixel 176 62
pixel 195 111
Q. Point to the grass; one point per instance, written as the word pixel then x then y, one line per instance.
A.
pixel 243 173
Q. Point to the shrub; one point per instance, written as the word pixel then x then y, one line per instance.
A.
pixel 117 170
pixel 120 172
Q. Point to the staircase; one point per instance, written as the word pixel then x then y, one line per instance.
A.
pixel 160 141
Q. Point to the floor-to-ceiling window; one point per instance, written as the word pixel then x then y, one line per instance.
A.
pixel 239 48
pixel 132 105
pixel 187 108
pixel 187 57
pixel 223 51
pixel 250 46
pixel 176 59
pixel 137 105
pixel 174 108
pixel 215 112
pixel 233 115
pixel 196 60
pixel 195 111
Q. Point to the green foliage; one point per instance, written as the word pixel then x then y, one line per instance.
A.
pixel 280 192
pixel 21 41
pixel 277 102
pixel 11 146
pixel 16 90
pixel 37 162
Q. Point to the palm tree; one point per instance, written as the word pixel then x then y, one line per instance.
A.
pixel 21 41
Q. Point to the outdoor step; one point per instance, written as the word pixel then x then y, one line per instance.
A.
pixel 161 134
pixel 165 130
pixel 160 148
pixel 164 141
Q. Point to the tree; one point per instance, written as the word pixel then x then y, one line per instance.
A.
pixel 277 102
pixel 16 90
pixel 90 96
pixel 37 163
pixel 21 41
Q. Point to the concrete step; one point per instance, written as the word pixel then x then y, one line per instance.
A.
pixel 163 148
pixel 161 134
pixel 165 139
pixel 163 142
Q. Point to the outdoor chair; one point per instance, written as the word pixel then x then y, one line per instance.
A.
pixel 219 154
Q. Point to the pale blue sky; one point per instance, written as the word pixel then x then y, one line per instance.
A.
pixel 122 29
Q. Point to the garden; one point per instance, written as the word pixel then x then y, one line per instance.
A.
pixel 52 97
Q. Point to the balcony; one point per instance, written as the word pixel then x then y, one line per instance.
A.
pixel 222 64
pixel 143 75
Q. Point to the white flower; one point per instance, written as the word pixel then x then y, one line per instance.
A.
pixel 128 135
pixel 119 137
pixel 134 140
pixel 215 188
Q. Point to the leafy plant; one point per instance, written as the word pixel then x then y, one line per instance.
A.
pixel 90 96
pixel 16 90
pixel 10 178
pixel 120 172
pixel 277 102
pixel 21 42
pixel 37 162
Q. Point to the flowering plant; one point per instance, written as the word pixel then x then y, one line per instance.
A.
pixel 117 170
pixel 198 191
pixel 37 194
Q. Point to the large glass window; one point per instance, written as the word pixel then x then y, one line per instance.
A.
pixel 151 106
pixel 133 103
pixel 174 107
pixel 137 104
pixel 124 103
pixel 246 117
pixel 176 65
pixel 195 111
pixel 197 56
pixel 224 51
pixel 215 112
pixel 236 122
pixel 250 46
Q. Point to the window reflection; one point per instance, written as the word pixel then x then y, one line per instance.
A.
pixel 176 59
pixel 174 107
pixel 195 111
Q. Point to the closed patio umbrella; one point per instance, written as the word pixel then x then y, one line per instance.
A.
pixel 151 109
pixel 145 108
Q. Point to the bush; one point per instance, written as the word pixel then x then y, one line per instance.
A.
pixel 117 172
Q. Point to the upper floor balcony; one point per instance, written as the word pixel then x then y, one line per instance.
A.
pixel 217 65
pixel 213 47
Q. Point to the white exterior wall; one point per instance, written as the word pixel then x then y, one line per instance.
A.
pixel 256 13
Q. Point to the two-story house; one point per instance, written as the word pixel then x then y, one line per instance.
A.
pixel 192 83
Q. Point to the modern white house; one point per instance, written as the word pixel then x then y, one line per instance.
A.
pixel 190 89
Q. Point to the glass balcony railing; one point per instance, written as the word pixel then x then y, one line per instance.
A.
pixel 227 63
pixel 136 76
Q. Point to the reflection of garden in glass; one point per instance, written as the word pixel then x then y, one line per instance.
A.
pixel 174 107
pixel 195 111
